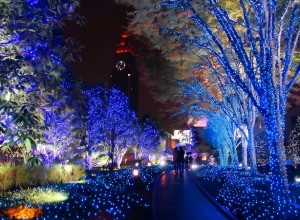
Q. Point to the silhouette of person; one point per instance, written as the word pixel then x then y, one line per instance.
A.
pixel 175 159
pixel 190 160
pixel 181 159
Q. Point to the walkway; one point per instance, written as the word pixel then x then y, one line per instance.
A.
pixel 177 197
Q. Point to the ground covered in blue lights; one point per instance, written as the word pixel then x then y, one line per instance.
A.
pixel 245 194
pixel 104 195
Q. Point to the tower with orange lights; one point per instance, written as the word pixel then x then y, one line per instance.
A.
pixel 124 74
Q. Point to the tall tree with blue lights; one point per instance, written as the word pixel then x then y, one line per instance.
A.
pixel 121 124
pixel 148 139
pixel 31 61
pixel 226 99
pixel 111 122
pixel 96 115
pixel 61 120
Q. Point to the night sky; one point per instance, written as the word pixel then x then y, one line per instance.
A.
pixel 106 22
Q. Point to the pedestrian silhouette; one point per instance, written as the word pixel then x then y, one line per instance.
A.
pixel 175 159
pixel 181 160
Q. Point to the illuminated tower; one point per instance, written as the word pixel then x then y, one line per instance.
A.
pixel 124 75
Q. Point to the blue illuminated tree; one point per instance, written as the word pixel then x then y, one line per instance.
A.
pixel 96 115
pixel 62 121
pixel 57 138
pixel 227 99
pixel 110 122
pixel 121 124
pixel 31 62
pixel 219 134
pixel 148 139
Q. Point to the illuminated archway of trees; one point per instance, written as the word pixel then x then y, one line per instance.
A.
pixel 251 45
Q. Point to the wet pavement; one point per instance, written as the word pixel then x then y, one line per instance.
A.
pixel 177 197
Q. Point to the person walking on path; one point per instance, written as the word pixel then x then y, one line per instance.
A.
pixel 175 159
pixel 181 159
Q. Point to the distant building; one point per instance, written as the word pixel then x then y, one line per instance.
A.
pixel 124 74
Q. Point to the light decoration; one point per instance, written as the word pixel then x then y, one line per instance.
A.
pixel 23 212
pixel 39 195
pixel 68 168
pixel 297 179
pixel 59 134
pixel 162 162
pixel 194 166
pixel 121 65
pixel 135 171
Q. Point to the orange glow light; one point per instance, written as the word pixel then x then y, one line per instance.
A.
pixel 23 212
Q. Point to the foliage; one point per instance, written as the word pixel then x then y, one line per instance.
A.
pixel 31 63
pixel 165 61
pixel 65 173
pixel 34 161
pixel 6 174
pixel 20 176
